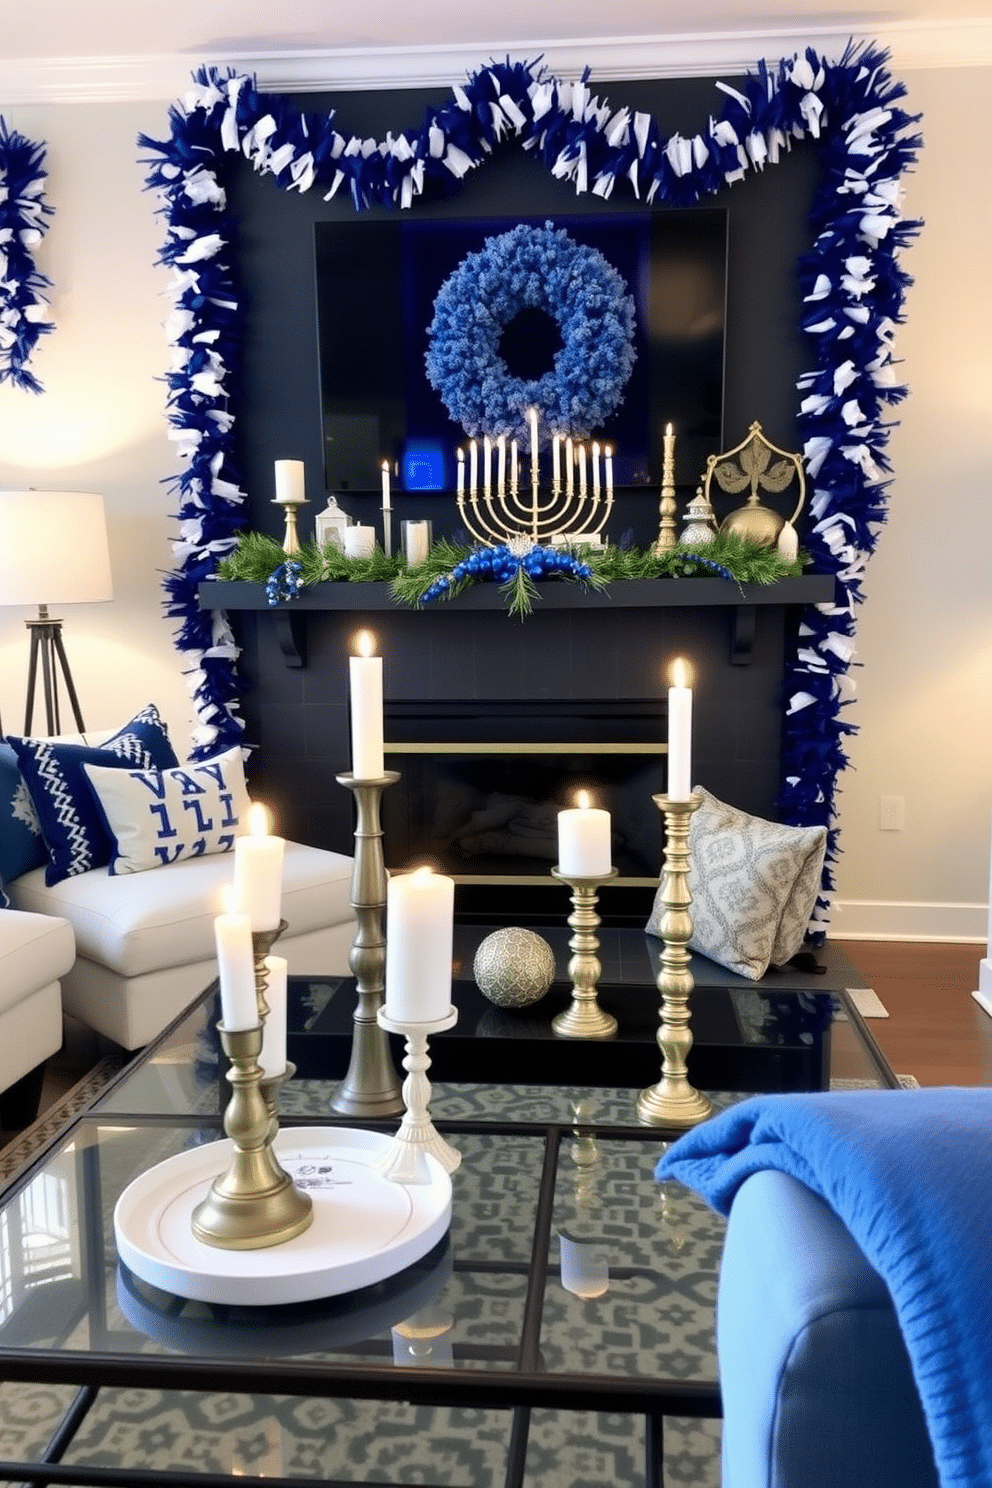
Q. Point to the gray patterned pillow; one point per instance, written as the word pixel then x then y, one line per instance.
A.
pixel 754 884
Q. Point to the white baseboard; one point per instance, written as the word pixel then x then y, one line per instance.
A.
pixel 876 919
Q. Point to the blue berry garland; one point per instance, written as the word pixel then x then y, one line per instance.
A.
pixel 285 582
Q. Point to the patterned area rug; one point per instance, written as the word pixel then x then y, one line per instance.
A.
pixel 22 1148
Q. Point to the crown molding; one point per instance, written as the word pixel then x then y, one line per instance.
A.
pixel 913 45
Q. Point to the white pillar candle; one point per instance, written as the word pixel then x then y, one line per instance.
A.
pixel 273 1055
pixel 595 468
pixel 608 460
pixel 514 460
pixel 236 969
pixel 569 465
pixel 365 675
pixel 386 494
pixel 584 840
pixel 461 472
pixel 487 461
pixel 556 459
pixel 501 462
pixel 416 541
pixel 290 484
pixel 258 858
pixel 473 466
pixel 359 541
pixel 679 732
pixel 419 933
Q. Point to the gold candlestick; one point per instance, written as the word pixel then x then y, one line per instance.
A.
pixel 584 1018
pixel 291 538
pixel 371 1087
pixel 255 1203
pixel 667 536
pixel 673 1101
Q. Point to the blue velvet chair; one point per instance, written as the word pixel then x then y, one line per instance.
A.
pixel 817 1388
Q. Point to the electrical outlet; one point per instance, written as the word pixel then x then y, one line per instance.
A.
pixel 891 813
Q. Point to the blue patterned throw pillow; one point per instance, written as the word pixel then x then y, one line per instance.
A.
pixel 71 820
pixel 161 816
pixel 22 846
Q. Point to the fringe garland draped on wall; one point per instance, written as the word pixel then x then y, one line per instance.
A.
pixel 852 289
pixel 23 210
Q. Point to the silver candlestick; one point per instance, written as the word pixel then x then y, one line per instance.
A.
pixel 371 1087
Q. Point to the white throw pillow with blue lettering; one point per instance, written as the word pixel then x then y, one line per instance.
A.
pixel 160 816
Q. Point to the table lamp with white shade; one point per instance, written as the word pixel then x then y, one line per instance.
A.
pixel 53 550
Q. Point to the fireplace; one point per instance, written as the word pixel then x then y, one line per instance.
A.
pixel 482 783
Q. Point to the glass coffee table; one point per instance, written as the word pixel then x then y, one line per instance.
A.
pixel 561 1334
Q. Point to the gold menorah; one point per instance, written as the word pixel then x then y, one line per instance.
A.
pixel 501 508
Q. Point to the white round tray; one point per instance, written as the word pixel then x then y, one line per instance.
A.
pixel 365 1227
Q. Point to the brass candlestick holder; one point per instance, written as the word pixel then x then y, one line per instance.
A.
pixel 673 1101
pixel 667 506
pixel 371 1087
pixel 291 538
pixel 584 1018
pixel 405 1159
pixel 255 1203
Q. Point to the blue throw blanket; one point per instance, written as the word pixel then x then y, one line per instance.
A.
pixel 910 1174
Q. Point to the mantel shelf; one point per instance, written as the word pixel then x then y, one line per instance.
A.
pixel 688 593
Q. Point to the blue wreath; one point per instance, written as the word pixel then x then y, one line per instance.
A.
pixel 538 268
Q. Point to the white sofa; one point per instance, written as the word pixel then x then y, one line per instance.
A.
pixel 35 951
pixel 145 941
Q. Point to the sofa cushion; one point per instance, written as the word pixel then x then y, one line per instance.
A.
pixel 753 883
pixel 72 824
pixel 141 922
pixel 34 950
pixel 155 817
pixel 22 846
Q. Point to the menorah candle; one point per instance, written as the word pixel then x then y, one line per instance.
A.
pixel 582 469
pixel 608 461
pixel 501 462
pixel 569 464
pixel 679 732
pixel 258 860
pixel 473 465
pixel 556 459
pixel 365 677
pixel 419 934
pixel 584 840
pixel 595 468
pixel 461 472
pixel 487 461
pixel 513 463
pixel 532 420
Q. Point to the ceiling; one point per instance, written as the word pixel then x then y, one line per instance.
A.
pixel 50 48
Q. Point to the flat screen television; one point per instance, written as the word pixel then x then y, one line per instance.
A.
pixel 377 281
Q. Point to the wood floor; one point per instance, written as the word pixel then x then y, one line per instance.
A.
pixel 935 1030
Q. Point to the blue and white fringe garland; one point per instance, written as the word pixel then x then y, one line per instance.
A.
pixel 853 291
pixel 23 210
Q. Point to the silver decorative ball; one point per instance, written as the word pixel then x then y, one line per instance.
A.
pixel 514 967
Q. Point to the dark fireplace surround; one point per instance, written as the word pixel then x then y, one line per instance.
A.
pixel 481 708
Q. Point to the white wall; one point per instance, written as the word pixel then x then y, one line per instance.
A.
pixel 100 425
pixel 925 633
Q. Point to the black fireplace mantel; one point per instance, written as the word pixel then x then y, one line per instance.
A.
pixel 742 599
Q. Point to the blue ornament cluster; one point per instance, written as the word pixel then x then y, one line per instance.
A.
pixel 285 582
pixel 499 565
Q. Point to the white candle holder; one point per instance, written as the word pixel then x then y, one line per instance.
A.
pixel 405 1159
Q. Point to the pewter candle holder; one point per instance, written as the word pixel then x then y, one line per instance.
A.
pixel 584 1018
pixel 673 1101
pixel 371 1087
pixel 255 1202
pixel 405 1159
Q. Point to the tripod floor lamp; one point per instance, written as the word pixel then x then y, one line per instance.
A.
pixel 53 551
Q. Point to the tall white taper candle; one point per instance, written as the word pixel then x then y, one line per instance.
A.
pixel 679 732
pixel 365 674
